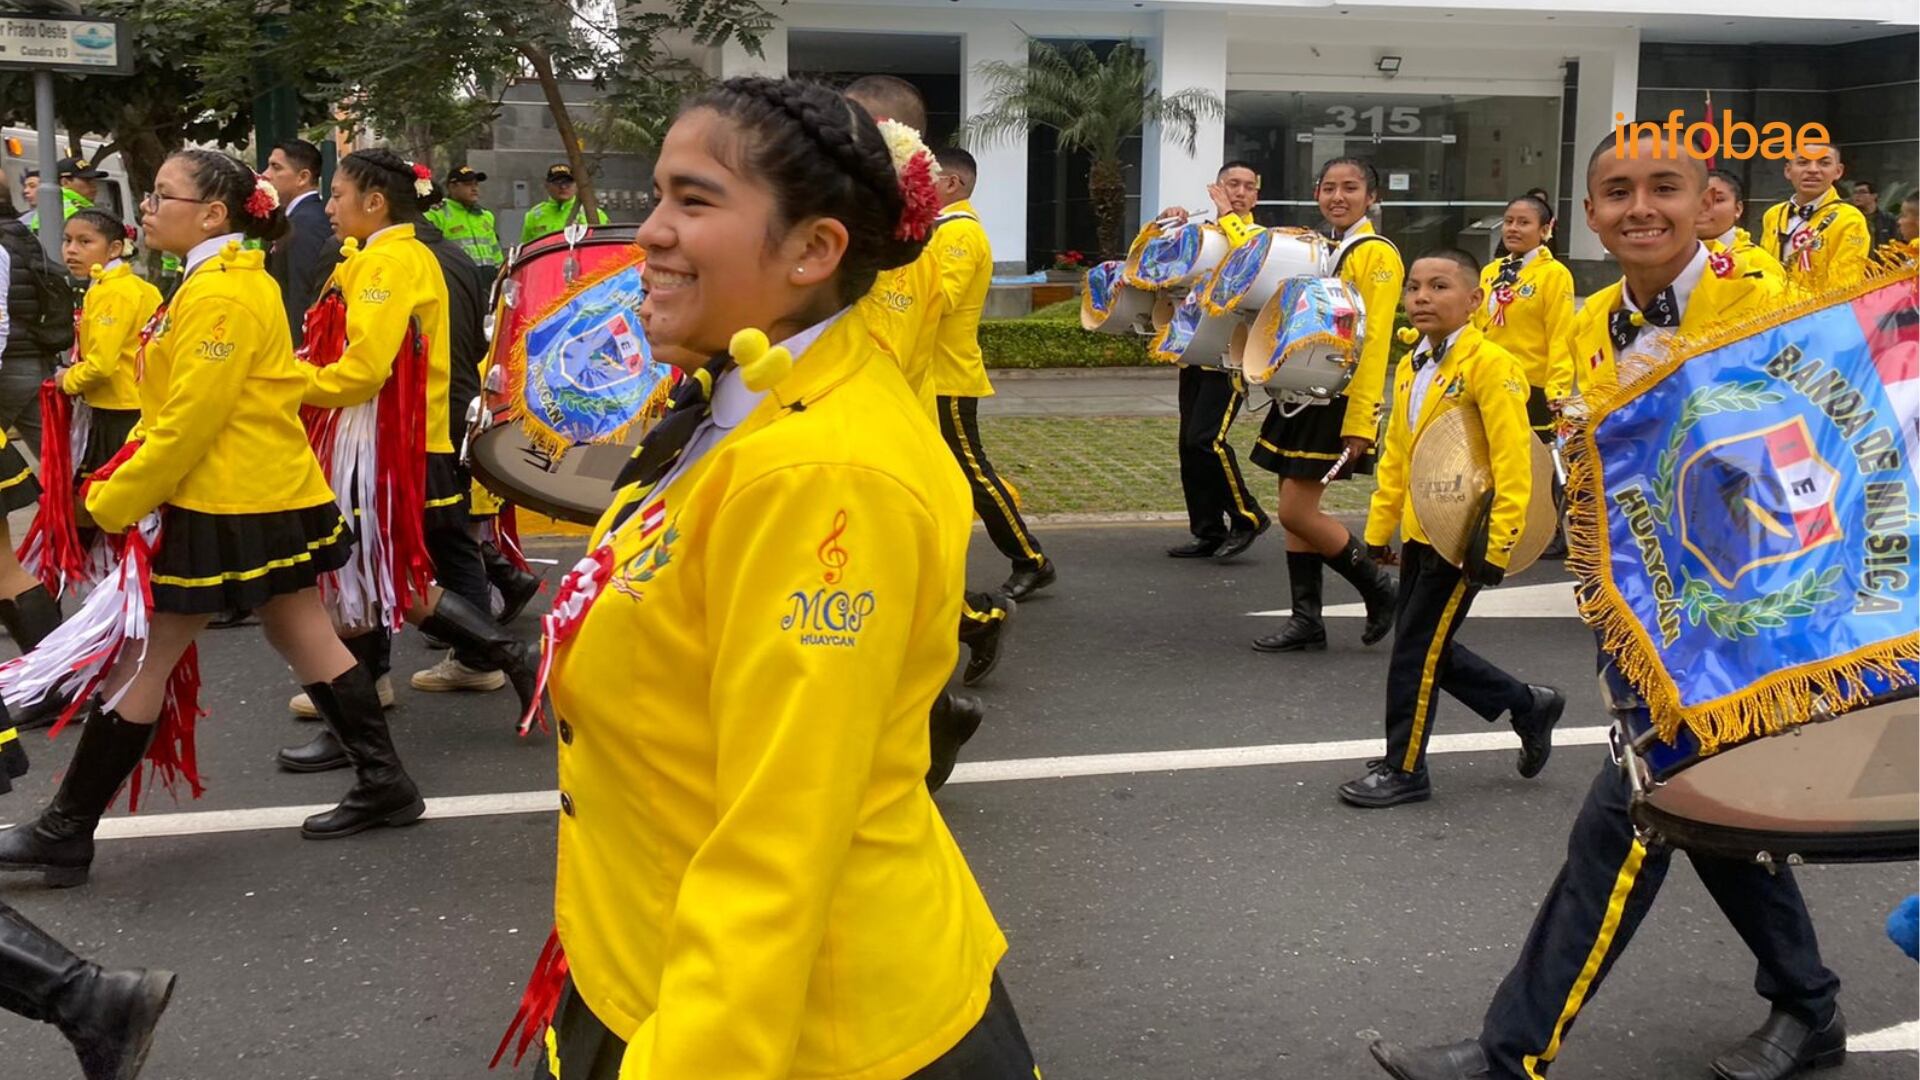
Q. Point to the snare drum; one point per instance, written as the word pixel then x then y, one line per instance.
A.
pixel 1834 789
pixel 577 487
pixel 1108 305
pixel 1306 341
pixel 1192 338
pixel 1177 258
pixel 1255 271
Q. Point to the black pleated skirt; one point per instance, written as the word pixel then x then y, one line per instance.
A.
pixel 449 487
pixel 18 486
pixel 1305 445
pixel 213 563
pixel 107 432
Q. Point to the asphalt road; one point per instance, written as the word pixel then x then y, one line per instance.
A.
pixel 1190 921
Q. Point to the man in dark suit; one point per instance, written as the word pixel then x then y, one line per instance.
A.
pixel 300 260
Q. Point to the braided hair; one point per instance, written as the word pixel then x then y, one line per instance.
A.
pixel 109 227
pixel 222 179
pixel 822 156
pixel 380 169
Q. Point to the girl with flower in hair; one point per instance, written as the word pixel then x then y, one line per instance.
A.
pixel 376 360
pixel 224 508
pixel 752 877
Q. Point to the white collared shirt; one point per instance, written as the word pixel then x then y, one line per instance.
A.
pixel 1423 379
pixel 377 234
pixel 300 198
pixel 1682 287
pixel 1794 221
pixel 733 402
pixel 208 248
pixel 1730 237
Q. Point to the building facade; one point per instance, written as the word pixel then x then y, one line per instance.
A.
pixel 1459 106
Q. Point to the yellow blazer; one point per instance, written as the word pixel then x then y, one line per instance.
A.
pixel 753 880
pixel 388 284
pixel 1842 241
pixel 966 273
pixel 1376 273
pixel 1475 373
pixel 1539 323
pixel 219 405
pixel 1750 259
pixel 1714 299
pixel 117 307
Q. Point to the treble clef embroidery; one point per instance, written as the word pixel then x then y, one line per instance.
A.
pixel 832 555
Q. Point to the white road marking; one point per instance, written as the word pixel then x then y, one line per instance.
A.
pixel 1889 1040
pixel 1553 600
pixel 446 808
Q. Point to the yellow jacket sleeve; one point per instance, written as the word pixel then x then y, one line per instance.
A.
pixel 1850 244
pixel 1499 388
pixel 1557 295
pixel 796 726
pixel 105 324
pixel 378 309
pixel 212 356
pixel 959 270
pixel 1390 482
pixel 1376 273
pixel 1239 229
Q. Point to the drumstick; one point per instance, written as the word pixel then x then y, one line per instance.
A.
pixel 1346 455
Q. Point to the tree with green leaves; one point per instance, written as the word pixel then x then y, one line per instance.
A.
pixel 1093 104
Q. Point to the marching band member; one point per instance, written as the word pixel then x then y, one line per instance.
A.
pixel 117 306
pixel 391 317
pixel 1719 228
pixel 1821 239
pixel 247 519
pixel 1528 309
pixel 1643 207
pixel 1454 366
pixel 780 903
pixel 1224 516
pixel 1335 439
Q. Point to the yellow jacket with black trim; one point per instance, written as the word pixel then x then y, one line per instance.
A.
pixel 1538 330
pixel 117 307
pixel 904 309
pixel 1750 259
pixel 219 405
pixel 1715 299
pixel 388 284
pixel 752 880
pixel 1474 373
pixel 1842 243
pixel 966 273
pixel 1239 228
pixel 1377 274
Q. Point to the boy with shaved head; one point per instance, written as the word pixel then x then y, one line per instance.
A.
pixel 1643 208
pixel 1822 239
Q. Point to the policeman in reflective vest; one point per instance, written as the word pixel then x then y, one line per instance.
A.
pixel 464 221
pixel 557 212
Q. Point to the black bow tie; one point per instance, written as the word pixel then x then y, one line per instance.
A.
pixel 1509 270
pixel 1663 311
pixel 1804 213
pixel 1429 355
pixel 690 403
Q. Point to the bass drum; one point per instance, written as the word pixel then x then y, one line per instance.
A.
pixel 1255 271
pixel 577 487
pixel 541 271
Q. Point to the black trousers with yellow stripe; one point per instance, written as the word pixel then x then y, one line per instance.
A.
pixel 1596 903
pixel 960 426
pixel 1433 602
pixel 1217 497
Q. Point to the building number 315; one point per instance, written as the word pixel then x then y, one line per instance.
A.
pixel 1345 119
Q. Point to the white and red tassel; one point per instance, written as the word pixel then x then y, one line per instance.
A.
pixel 51 550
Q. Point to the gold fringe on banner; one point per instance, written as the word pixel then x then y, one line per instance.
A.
pixel 538 431
pixel 1779 701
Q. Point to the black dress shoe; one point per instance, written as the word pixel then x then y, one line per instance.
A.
pixel 1386 786
pixel 1535 728
pixel 1783 1046
pixel 1239 540
pixel 1461 1061
pixel 1025 583
pixel 984 647
pixel 1199 547
pixel 954 719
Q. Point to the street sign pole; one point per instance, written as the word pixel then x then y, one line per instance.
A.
pixel 51 202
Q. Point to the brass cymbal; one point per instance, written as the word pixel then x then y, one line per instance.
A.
pixel 1449 474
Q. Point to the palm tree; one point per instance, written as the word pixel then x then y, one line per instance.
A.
pixel 1092 105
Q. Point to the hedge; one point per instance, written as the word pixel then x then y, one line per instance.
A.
pixel 1051 338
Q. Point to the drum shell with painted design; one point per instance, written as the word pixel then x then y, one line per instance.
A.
pixel 1176 258
pixel 1108 305
pixel 1255 271
pixel 1306 341
pixel 1191 337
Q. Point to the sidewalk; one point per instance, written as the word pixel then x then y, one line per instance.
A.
pixel 1150 391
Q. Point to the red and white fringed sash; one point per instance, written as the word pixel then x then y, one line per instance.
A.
pixel 52 550
pixel 72 662
pixel 374 456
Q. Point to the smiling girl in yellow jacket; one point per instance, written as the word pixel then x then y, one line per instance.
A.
pixel 117 307
pixel 753 881
pixel 247 521
pixel 382 312
pixel 1528 309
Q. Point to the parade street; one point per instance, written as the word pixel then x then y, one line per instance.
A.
pixel 1149 807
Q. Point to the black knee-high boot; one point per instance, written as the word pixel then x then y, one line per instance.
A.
pixel 29 618
pixel 373 651
pixel 1377 587
pixel 517 587
pixel 458 622
pixel 109 1016
pixel 1304 631
pixel 382 792
pixel 59 843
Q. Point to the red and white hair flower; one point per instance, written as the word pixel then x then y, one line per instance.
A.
pixel 422 180
pixel 916 169
pixel 264 200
